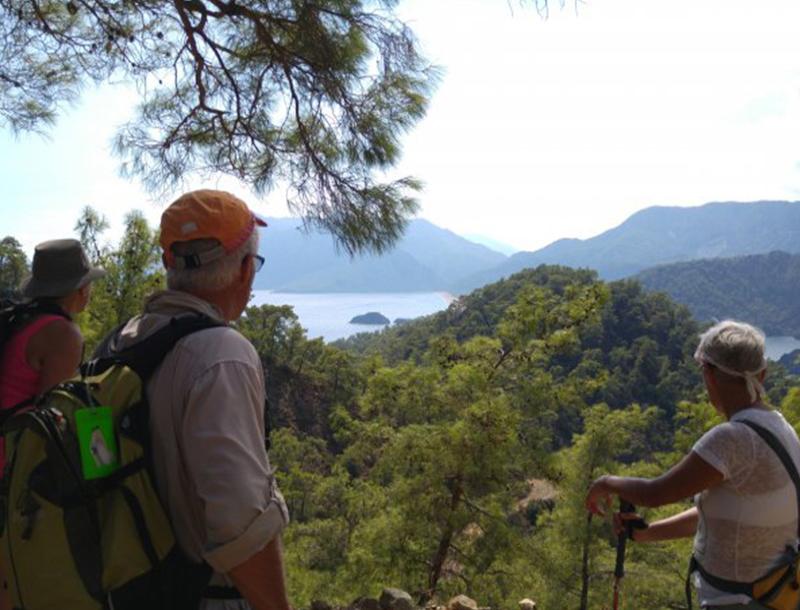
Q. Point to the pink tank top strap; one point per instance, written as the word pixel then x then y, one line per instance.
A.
pixel 18 379
pixel 32 328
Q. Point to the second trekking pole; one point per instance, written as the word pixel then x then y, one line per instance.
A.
pixel 619 568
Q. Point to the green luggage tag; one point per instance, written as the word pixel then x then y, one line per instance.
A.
pixel 99 454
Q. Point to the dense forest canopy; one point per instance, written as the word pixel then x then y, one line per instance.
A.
pixel 452 454
pixel 761 289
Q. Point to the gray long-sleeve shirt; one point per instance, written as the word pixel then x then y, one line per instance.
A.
pixel 207 427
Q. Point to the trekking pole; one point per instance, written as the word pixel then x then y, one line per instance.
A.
pixel 619 568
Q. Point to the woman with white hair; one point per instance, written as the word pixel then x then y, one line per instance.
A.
pixel 745 517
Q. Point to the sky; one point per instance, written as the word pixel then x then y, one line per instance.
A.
pixel 540 128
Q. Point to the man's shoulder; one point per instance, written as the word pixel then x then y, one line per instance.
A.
pixel 222 334
pixel 220 344
pixel 218 359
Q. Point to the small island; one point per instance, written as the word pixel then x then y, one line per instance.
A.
pixel 372 318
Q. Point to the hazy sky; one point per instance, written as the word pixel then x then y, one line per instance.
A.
pixel 540 129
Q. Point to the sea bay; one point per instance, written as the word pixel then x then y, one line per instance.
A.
pixel 328 315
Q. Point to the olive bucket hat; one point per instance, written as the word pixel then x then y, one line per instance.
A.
pixel 59 267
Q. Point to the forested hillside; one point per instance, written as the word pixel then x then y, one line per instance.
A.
pixel 656 334
pixel 761 289
pixel 418 457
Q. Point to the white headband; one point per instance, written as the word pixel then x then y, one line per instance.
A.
pixel 754 386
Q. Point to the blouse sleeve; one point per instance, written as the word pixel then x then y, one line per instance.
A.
pixel 729 449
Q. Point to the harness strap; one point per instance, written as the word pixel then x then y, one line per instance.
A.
pixel 723 584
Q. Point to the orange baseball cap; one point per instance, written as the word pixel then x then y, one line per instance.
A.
pixel 206 214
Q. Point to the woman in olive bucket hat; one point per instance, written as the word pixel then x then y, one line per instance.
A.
pixel 45 346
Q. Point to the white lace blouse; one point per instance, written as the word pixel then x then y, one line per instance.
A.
pixel 748 520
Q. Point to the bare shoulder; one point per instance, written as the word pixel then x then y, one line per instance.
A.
pixel 55 350
pixel 62 333
pixel 60 336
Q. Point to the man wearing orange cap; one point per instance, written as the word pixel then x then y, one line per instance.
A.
pixel 207 405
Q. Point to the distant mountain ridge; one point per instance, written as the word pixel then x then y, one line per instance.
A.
pixel 492 244
pixel 659 235
pixel 762 289
pixel 427 258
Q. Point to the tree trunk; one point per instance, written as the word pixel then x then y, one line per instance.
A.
pixel 585 565
pixel 444 543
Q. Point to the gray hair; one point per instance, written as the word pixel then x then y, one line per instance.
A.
pixel 737 349
pixel 215 275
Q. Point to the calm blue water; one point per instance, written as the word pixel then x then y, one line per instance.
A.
pixel 329 315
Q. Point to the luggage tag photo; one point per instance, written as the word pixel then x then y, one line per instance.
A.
pixel 98 443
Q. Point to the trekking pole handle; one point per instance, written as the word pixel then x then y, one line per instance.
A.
pixel 627 507
pixel 619 568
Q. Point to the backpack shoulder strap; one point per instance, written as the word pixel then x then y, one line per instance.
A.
pixel 145 356
pixel 783 455
pixel 35 308
pixel 16 314
pixel 8 412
